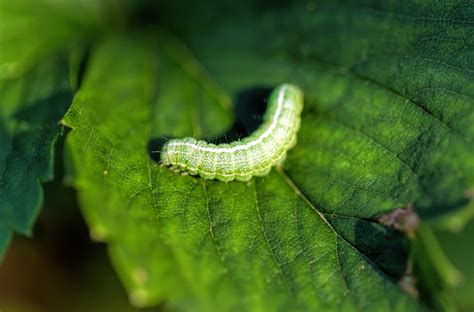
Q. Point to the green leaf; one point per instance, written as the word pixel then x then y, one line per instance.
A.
pixel 31 30
pixel 258 245
pixel 30 110
pixel 388 121
pixel 385 80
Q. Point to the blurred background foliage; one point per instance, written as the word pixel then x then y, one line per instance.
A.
pixel 59 268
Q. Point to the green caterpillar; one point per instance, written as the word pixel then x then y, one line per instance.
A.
pixel 255 155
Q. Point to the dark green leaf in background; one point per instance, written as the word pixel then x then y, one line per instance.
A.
pixel 30 111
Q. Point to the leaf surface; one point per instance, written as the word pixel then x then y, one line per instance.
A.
pixel 388 121
pixel 257 245
pixel 391 80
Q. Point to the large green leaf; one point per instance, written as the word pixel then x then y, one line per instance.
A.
pixel 30 110
pixel 257 245
pixel 387 122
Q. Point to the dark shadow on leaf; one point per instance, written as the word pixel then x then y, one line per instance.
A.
pixel 385 247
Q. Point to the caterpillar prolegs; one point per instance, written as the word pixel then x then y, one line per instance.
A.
pixel 252 156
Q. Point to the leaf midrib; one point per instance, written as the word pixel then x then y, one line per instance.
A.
pixel 291 183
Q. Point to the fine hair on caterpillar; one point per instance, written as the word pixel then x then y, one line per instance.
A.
pixel 251 156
